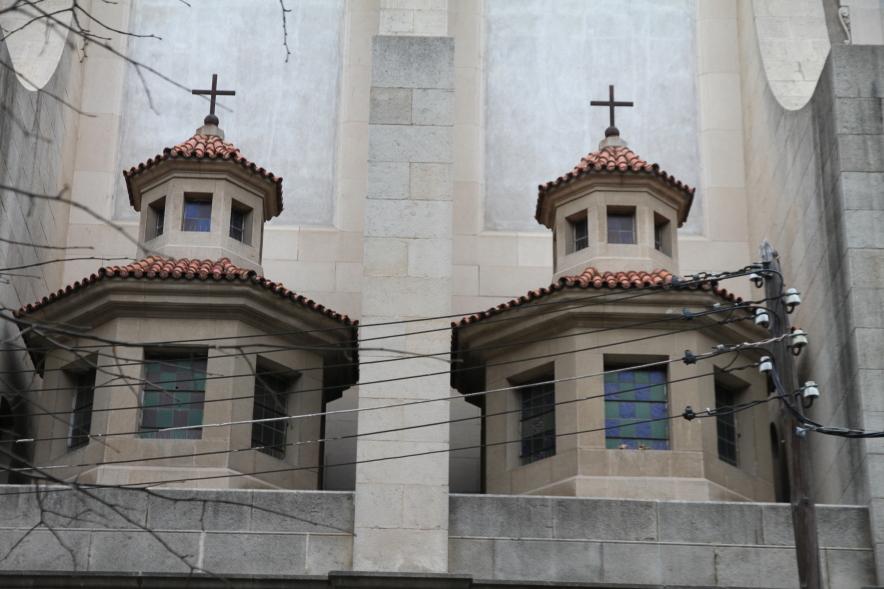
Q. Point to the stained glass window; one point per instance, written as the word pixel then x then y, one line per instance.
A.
pixel 726 425
pixel 81 420
pixel 538 421
pixel 270 401
pixel 173 395
pixel 197 213
pixel 632 399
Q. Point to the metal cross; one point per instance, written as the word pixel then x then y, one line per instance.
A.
pixel 211 119
pixel 611 103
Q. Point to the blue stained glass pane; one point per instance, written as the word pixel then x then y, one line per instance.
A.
pixel 611 388
pixel 643 430
pixel 658 411
pixel 643 394
pixel 658 376
pixel 627 409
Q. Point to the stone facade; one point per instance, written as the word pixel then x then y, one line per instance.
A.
pixel 806 179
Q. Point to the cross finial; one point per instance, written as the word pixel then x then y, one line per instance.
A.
pixel 211 119
pixel 612 130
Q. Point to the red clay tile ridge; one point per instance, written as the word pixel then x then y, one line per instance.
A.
pixel 161 268
pixel 593 279
pixel 205 146
pixel 613 157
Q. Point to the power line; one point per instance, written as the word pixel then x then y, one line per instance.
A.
pixel 701 414
pixel 392 430
pixel 394 379
pixel 140 381
pixel 688 358
pixel 705 279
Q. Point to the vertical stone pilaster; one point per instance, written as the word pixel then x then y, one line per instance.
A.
pixel 401 521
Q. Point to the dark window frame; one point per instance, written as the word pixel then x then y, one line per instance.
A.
pixel 273 386
pixel 243 214
pixel 81 412
pixel 197 223
pixel 726 428
pixel 628 399
pixel 157 220
pixel 538 413
pixel 180 402
pixel 618 235
pixel 578 232
pixel 662 234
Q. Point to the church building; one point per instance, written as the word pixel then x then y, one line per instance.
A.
pixel 221 345
pixel 439 359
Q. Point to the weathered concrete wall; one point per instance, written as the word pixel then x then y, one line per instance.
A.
pixel 557 539
pixel 284 114
pixel 815 177
pixel 221 532
pixel 401 508
pixel 37 136
pixel 547 59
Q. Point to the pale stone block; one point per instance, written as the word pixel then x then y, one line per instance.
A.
pixel 468 166
pixel 464 248
pixel 431 22
pixel 720 102
pixel 93 132
pixel 385 257
pixel 281 243
pixel 406 297
pixel 329 553
pixel 535 250
pixel 579 562
pixel 433 107
pixel 349 247
pixel 415 550
pixel 386 506
pixel 305 276
pixel 724 163
pixel 717 9
pixel 467 212
pixel 465 281
pixel 425 507
pixel 431 182
pixel 409 219
pixel 718 46
pixel 401 463
pixel 93 189
pixel 103 84
pixel 393 22
pixel 317 245
pixel 397 143
pixel 509 281
pixel 498 249
pixel 388 180
pixel 348 276
pixel 390 106
pixel 413 62
pixel 429 258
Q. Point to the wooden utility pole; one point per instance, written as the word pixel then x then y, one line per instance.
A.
pixel 803 510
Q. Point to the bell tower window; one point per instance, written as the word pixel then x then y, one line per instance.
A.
pixel 157 218
pixel 578 232
pixel 662 235
pixel 621 225
pixel 241 223
pixel 197 213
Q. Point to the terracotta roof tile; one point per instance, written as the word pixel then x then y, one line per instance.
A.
pixel 612 159
pixel 205 147
pixel 160 268
pixel 592 278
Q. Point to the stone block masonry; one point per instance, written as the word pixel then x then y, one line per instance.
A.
pixel 401 511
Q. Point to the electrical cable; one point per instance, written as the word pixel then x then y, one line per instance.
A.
pixel 393 430
pixel 701 279
pixel 142 486
pixel 689 357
